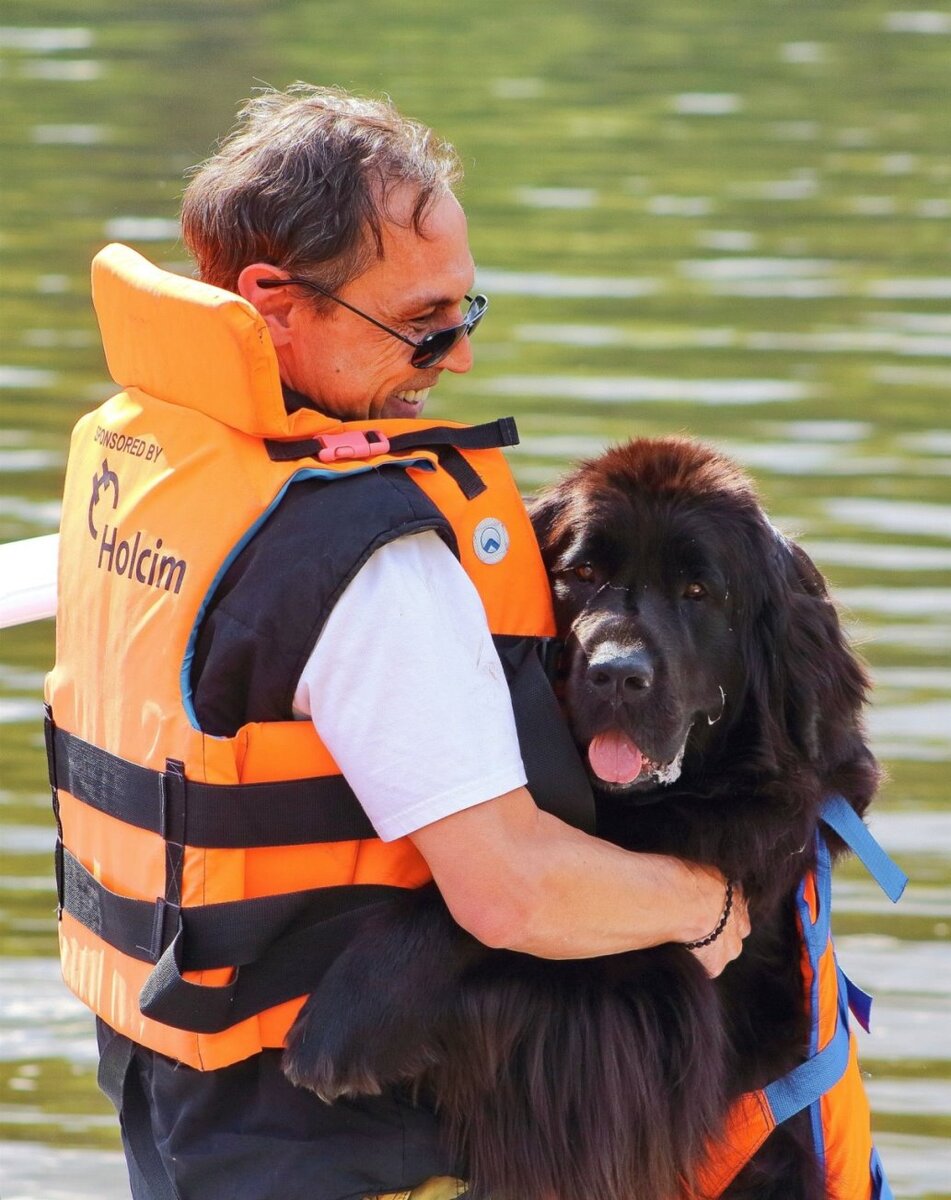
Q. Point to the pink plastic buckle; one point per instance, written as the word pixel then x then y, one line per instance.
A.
pixel 338 446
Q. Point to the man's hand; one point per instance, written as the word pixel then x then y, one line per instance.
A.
pixel 728 944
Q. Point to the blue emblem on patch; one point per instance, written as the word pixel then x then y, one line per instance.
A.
pixel 490 540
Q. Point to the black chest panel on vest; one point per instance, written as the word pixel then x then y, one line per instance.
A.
pixel 275 598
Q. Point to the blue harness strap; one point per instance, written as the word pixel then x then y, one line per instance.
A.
pixel 803 1087
pixel 841 817
pixel 881 1189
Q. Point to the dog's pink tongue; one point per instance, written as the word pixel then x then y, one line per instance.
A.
pixel 614 758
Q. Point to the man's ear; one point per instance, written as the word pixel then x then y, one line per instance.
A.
pixel 274 304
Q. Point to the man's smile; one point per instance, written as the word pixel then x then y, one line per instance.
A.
pixel 406 403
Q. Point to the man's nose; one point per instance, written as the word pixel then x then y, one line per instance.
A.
pixel 459 358
pixel 624 676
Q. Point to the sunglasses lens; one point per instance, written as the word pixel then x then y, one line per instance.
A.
pixel 436 345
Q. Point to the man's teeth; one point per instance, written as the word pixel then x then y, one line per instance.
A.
pixel 414 397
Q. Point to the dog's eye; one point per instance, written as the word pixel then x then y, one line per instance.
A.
pixel 695 591
pixel 584 572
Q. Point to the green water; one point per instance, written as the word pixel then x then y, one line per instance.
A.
pixel 732 220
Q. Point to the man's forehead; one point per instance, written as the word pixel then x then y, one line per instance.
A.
pixel 428 268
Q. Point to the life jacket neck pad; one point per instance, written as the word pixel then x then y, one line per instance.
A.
pixel 205 348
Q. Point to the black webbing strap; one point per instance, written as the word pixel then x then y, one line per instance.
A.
pixel 278 945
pixel 173 813
pixel 557 778
pixel 467 478
pixel 119 1078
pixel 448 442
pixel 490 436
pixel 292 965
pixel 49 729
pixel 224 816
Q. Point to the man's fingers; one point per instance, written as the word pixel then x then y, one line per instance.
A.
pixel 741 913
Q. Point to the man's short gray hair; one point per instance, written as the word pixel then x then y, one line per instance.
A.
pixel 304 180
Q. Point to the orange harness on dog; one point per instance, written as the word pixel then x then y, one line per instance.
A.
pixel 828 1083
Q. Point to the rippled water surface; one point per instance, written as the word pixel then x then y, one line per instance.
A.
pixel 732 220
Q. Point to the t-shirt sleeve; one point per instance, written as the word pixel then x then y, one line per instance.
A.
pixel 405 688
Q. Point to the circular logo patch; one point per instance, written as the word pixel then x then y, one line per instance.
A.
pixel 490 540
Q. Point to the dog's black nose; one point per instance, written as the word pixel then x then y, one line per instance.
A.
pixel 623 676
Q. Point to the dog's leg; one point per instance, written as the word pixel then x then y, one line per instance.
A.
pixel 375 1018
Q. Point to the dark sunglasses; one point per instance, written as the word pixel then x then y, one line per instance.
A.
pixel 429 350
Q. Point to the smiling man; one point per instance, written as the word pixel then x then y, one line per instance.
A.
pixel 345 595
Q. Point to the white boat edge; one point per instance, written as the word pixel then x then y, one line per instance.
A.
pixel 28 580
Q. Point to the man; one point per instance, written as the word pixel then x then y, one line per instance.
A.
pixel 343 607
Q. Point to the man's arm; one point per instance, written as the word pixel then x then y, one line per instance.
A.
pixel 518 878
pixel 405 688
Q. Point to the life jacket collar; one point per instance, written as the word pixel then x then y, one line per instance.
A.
pixel 193 345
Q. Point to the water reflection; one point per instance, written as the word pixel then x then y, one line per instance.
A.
pixel 641 388
pixel 74 70
pixel 918 22
pixel 546 283
pixel 707 104
pixel 892 516
pixel 31 1171
pixel 141 229
pixel 68 135
pixel 25 377
pixel 878 556
pixel 45 40
pixel 557 197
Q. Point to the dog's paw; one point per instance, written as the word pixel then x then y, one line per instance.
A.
pixel 319 1063
pixel 357 1049
pixel 376 1017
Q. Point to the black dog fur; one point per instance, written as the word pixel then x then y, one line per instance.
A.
pixel 607 1077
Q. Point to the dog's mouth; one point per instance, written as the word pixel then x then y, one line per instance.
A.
pixel 618 762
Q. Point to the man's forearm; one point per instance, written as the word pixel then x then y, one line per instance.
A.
pixel 520 879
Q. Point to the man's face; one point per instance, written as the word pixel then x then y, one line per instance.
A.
pixel 348 367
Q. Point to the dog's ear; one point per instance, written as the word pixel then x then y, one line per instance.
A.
pixel 546 511
pixel 806 682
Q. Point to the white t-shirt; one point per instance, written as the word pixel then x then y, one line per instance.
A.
pixel 406 690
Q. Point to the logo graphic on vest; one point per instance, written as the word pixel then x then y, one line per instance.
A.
pixel 490 540
pixel 135 559
pixel 108 479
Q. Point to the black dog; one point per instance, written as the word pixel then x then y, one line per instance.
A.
pixel 707 679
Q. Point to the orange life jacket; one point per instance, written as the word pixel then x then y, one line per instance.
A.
pixel 192 867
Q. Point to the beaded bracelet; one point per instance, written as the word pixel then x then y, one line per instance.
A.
pixel 721 924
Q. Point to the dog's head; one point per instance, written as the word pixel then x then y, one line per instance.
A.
pixel 691 626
